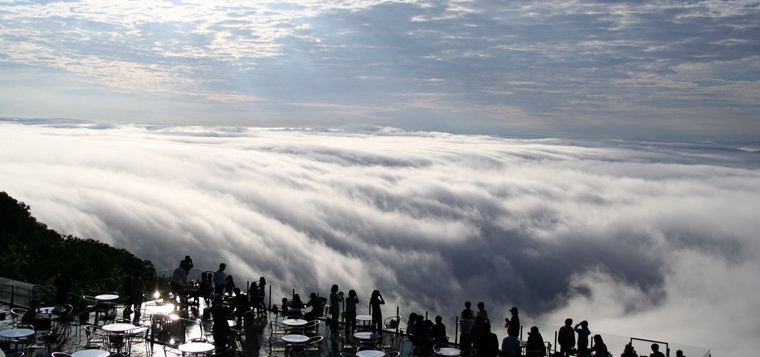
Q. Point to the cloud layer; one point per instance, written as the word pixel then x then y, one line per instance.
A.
pixel 628 69
pixel 642 239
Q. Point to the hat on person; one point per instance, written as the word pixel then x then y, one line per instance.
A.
pixel 513 309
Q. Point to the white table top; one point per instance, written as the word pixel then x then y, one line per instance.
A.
pixel 106 297
pixel 196 347
pixel 370 353
pixel 295 322
pixel 448 351
pixel 17 332
pixel 118 327
pixel 2 354
pixel 365 335
pixel 91 353
pixel 363 318
pixel 292 338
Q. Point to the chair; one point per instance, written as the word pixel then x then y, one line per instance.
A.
pixel 393 354
pixel 96 338
pixel 311 328
pixel 314 344
pixel 140 334
pixel 347 343
pixel 60 354
pixel 16 314
pixel 276 344
pixel 225 351
pixel 471 352
pixel 391 323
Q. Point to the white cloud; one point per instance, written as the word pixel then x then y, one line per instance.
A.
pixel 633 236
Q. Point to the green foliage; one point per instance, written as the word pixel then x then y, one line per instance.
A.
pixel 36 254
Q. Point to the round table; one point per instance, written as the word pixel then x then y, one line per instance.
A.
pixel 448 351
pixel 294 322
pixel 91 353
pixel 106 297
pixel 365 335
pixel 16 332
pixel 196 347
pixel 370 353
pixel 293 338
pixel 118 327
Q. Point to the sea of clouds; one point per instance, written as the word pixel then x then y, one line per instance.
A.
pixel 653 240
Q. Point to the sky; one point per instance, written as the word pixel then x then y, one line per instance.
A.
pixel 651 70
pixel 656 240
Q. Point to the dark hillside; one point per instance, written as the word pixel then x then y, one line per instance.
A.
pixel 33 253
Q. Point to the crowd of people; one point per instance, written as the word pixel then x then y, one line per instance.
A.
pixel 474 325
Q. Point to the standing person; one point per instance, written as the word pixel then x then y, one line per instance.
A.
pixel 262 294
pixel 186 264
pixel 466 321
pixel 439 331
pixel 253 327
pixel 220 279
pixel 377 315
pixel 137 289
pixel 482 312
pixel 335 299
pixel 128 294
pixel 535 346
pixel 566 338
pixel 583 333
pixel 514 323
pixel 351 302
pixel 221 328
pixel 229 285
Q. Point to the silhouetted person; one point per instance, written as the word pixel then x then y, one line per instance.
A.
pixel 655 350
pixel 566 338
pixel 62 287
pixel 242 306
pixel 535 346
pixel 466 322
pixel 137 291
pixel 220 279
pixel 229 285
pixel 599 349
pixel 351 302
pixel 629 351
pixel 221 329
pixel 679 353
pixel 439 331
pixel 375 300
pixel 510 347
pixel 186 264
pixel 583 333
pixel 253 327
pixel 488 343
pixel 514 323
pixel 317 304
pixel 294 309
pixel 482 311
pixel 336 297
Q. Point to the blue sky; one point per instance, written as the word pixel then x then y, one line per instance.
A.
pixel 664 70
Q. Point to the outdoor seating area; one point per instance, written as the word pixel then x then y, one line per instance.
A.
pixel 180 326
